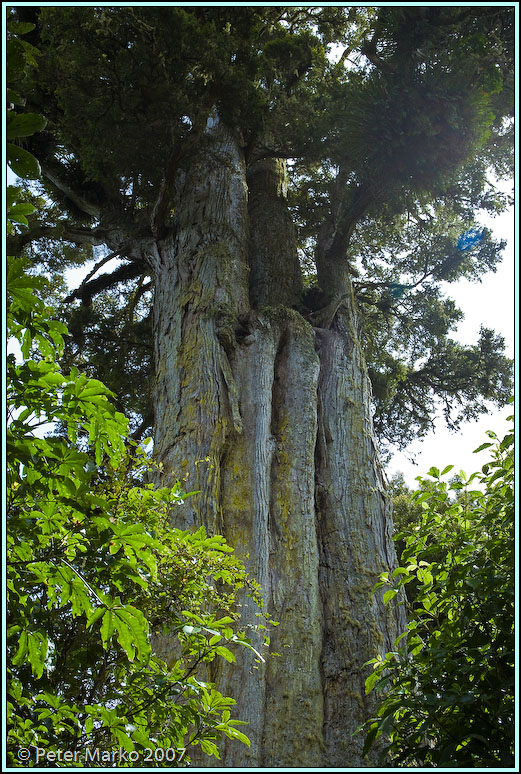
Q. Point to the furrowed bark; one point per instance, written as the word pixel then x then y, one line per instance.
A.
pixel 201 288
pixel 354 526
pixel 275 276
pixel 270 419
pixel 268 499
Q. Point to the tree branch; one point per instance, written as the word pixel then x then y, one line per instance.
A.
pixel 350 214
pixel 56 177
pixel 97 266
pixel 87 290
pixel 17 242
pixel 148 421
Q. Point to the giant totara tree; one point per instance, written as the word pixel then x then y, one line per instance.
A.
pixel 285 190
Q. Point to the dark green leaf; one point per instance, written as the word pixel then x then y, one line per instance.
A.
pixel 24 124
pixel 22 162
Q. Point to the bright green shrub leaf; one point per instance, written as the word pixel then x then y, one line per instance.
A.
pixel 449 700
pixel 20 28
pixel 22 649
pixel 37 648
pixel 389 594
pixel 210 748
pixel 234 733
pixel 123 739
pixel 225 653
pixel 107 627
pixel 482 446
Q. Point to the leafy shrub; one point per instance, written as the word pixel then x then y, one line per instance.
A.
pixel 447 690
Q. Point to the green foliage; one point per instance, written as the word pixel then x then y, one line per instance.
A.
pixel 122 324
pixel 186 60
pixel 406 511
pixel 446 693
pixel 406 390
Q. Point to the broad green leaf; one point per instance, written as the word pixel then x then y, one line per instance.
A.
pixel 132 629
pixel 371 681
pixel 21 650
pixel 210 748
pixel 19 212
pixel 234 733
pixel 225 653
pixel 141 737
pixel 371 735
pixel 37 647
pixel 123 738
pixel 23 163
pixel 481 447
pixel 95 616
pixel 107 627
pixel 24 124
pixel 399 571
pixel 20 28
pixel 221 621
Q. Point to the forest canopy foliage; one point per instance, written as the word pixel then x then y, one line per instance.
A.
pixel 393 121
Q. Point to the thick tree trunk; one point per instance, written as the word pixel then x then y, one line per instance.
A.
pixel 270 419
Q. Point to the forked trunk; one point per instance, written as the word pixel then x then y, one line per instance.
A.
pixel 270 419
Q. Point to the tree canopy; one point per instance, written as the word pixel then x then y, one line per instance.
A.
pixel 393 121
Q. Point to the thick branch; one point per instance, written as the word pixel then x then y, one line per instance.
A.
pixel 126 272
pixel 96 267
pixel 57 178
pixel 148 421
pixel 334 236
pixel 349 216
pixel 16 243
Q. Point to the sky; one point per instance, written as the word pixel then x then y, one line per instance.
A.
pixel 490 303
